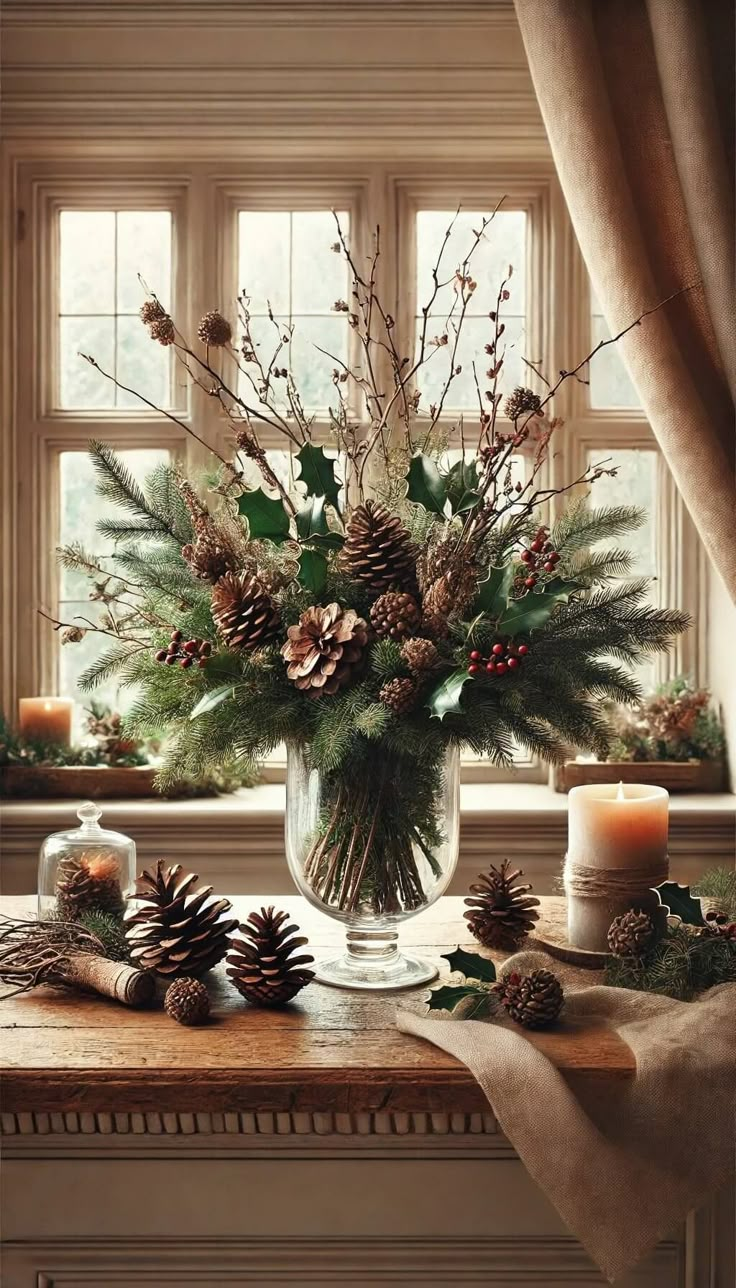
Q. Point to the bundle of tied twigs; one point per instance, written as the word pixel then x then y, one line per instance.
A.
pixel 64 954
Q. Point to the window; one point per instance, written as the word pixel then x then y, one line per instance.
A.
pixel 102 256
pixel 205 234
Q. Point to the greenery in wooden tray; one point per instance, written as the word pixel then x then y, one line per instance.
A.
pixel 394 603
pixel 676 723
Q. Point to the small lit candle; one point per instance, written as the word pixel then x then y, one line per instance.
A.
pixel 619 829
pixel 46 719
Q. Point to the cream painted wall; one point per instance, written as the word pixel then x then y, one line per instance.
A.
pixel 721 634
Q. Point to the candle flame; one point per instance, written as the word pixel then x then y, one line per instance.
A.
pixel 48 706
pixel 620 794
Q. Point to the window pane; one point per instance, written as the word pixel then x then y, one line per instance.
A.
pixel 101 253
pixel 503 244
pixel 610 383
pixel 285 261
pixel 80 508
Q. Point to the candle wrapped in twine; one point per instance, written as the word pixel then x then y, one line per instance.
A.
pixel 597 895
pixel 63 954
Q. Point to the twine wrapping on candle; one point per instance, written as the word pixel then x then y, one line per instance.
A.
pixel 613 883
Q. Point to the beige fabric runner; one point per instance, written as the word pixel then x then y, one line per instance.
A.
pixel 625 1162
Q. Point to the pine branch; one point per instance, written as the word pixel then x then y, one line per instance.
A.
pixel 580 526
pixel 105 666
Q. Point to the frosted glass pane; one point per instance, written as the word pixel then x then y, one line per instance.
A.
pixel 319 274
pixel 610 382
pixel 144 247
pixel 75 658
pixel 503 243
pixel 312 369
pixel 143 365
pixel 80 384
pixel 86 261
pixel 264 259
pixel 476 333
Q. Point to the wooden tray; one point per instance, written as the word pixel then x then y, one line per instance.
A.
pixel 77 782
pixel 674 775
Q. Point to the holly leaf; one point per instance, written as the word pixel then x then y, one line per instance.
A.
pixel 493 593
pixel 561 589
pixel 448 996
pixel 311 520
pixel 681 903
pixel 445 699
pixel 327 540
pixel 212 699
pixel 312 571
pixel 461 483
pixel 317 471
pixel 426 485
pixel 471 965
pixel 267 517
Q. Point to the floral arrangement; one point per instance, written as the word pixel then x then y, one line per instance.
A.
pixel 394 603
pixel 676 723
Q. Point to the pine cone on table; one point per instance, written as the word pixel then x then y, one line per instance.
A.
pixel 395 615
pixel 262 965
pixel 87 881
pixel 631 934
pixel 325 649
pixel 187 1001
pixel 533 1001
pixel 244 612
pixel 378 550
pixel 177 930
pixel 501 913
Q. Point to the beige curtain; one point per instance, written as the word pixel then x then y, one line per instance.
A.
pixel 637 99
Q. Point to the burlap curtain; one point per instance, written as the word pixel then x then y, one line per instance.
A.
pixel 637 100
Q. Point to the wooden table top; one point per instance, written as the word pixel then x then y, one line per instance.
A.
pixel 330 1051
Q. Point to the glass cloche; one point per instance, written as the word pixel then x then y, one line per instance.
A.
pixel 85 869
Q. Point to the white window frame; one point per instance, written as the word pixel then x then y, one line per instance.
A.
pixel 204 197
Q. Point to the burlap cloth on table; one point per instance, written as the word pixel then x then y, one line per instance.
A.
pixel 623 1163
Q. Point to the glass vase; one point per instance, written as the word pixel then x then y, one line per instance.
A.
pixel 372 844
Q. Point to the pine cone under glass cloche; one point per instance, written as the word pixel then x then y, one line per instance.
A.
pixel 631 934
pixel 244 612
pixel 177 929
pixel 500 913
pixel 533 1001
pixel 261 964
pixel 325 649
pixel 378 550
pixel 88 881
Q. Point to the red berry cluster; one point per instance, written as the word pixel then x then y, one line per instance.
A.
pixel 185 652
pixel 503 658
pixel 541 553
pixel 719 924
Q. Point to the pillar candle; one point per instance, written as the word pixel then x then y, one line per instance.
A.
pixel 46 719
pixel 614 827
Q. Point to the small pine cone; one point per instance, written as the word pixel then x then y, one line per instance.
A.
pixel 521 402
pixel 399 694
pixel 261 964
pixel 395 614
pixel 244 612
pixel 325 649
pixel 173 928
pixel 419 654
pixel 533 1001
pixel 439 599
pixel 500 913
pixel 187 1001
pixel 215 330
pixel 163 330
pixel 631 934
pixel 435 625
pixel 378 550
pixel 91 880
pixel 207 559
pixel 152 311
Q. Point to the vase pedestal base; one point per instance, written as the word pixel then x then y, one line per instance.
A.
pixel 399 971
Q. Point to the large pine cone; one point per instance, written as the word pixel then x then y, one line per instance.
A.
pixel 631 934
pixel 261 965
pixel 531 1000
pixel 501 914
pixel 244 612
pixel 325 648
pixel 378 550
pixel 177 930
pixel 87 881
pixel 395 614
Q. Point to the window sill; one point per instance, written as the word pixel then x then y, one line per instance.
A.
pixel 236 842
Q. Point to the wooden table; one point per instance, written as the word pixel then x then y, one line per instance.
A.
pixel 316 1144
